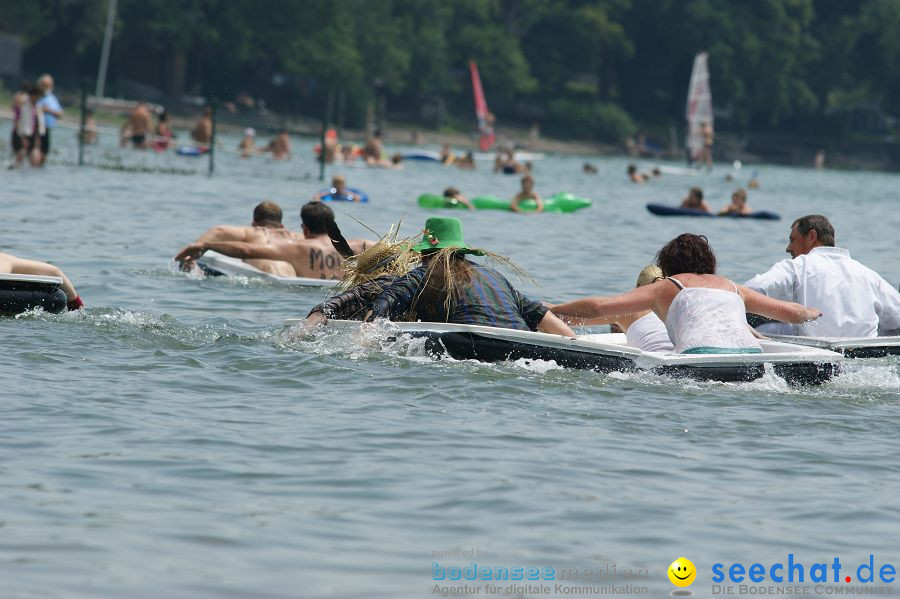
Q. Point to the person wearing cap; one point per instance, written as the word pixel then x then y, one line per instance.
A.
pixel 266 227
pixel 448 287
pixel 14 265
pixel 247 146
pixel 312 257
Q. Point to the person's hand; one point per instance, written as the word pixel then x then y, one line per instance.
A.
pixel 190 252
pixel 812 314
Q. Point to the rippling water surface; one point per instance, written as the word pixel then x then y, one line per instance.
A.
pixel 175 441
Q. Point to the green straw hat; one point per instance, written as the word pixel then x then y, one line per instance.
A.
pixel 444 232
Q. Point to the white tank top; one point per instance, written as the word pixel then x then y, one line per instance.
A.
pixel 703 317
pixel 648 333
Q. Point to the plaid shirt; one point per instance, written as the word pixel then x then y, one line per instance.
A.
pixel 489 300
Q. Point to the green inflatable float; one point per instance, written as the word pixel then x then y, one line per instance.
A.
pixel 558 202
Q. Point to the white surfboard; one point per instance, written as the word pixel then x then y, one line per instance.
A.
pixel 219 264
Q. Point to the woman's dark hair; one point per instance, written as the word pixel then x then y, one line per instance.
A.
pixel 687 253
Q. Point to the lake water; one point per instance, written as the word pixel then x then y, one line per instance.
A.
pixel 173 441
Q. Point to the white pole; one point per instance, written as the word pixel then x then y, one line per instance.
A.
pixel 104 53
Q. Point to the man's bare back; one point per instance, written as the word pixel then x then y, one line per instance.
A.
pixel 313 257
pixel 262 235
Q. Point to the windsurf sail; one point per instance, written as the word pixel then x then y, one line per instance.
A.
pixel 485 118
pixel 699 105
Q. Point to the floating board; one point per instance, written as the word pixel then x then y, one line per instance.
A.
pixel 216 264
pixel 663 210
pixel 191 150
pixel 560 202
pixel 517 156
pixel 679 170
pixel 609 352
pixel 20 293
pixel 852 347
pixel 422 156
pixel 331 195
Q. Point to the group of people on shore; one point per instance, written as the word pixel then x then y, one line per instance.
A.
pixel 35 110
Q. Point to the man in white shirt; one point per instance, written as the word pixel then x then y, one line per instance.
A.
pixel 855 301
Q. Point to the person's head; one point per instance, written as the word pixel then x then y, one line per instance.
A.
pixel 451 192
pixel 315 217
pixel 45 83
pixel 338 181
pixel 695 195
pixel 250 132
pixel 397 158
pixel 739 197
pixel 35 93
pixel 687 253
pixel 632 169
pixel 649 274
pixel 267 214
pixel 527 183
pixel 447 272
pixel 657 172
pixel 807 232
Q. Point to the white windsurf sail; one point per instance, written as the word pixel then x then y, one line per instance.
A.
pixel 699 105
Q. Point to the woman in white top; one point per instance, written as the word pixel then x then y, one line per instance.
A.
pixel 643 330
pixel 703 312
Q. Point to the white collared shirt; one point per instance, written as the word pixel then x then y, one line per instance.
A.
pixel 855 301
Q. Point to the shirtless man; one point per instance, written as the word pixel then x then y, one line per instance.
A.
pixel 695 201
pixel 738 204
pixel 373 150
pixel 202 132
pixel 313 257
pixel 527 193
pixel 266 228
pixel 14 265
pixel 280 146
pixel 138 125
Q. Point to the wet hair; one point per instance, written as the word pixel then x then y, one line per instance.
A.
pixel 451 192
pixel 819 224
pixel 696 193
pixel 632 169
pixel 316 216
pixel 687 253
pixel 741 193
pixel 267 213
pixel 528 178
pixel 337 178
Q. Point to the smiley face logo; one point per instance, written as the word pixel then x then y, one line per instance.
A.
pixel 682 572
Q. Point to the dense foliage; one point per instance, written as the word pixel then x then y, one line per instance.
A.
pixel 589 68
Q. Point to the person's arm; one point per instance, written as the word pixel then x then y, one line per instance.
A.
pixel 224 233
pixel 564 312
pixel 396 300
pixel 540 202
pixel 757 303
pixel 705 207
pixel 514 205
pixel 887 307
pixel 237 249
pixel 777 282
pixel 462 200
pixel 21 266
pixel 553 325
pixel 598 310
